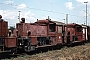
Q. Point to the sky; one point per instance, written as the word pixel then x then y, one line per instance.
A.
pixel 32 10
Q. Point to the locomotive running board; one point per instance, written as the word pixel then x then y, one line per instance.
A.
pixel 75 41
pixel 5 51
pixel 44 46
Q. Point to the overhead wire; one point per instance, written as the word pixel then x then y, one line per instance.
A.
pixel 58 12
pixel 15 6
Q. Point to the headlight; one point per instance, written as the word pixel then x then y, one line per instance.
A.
pixel 20 44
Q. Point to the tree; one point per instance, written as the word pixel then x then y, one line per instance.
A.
pixel 11 28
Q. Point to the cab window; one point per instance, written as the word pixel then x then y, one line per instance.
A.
pixel 59 29
pixel 79 29
pixel 52 28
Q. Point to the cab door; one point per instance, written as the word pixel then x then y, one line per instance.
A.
pixel 59 34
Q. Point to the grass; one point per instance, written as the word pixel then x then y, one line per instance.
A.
pixel 81 52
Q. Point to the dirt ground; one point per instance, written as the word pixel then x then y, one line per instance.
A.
pixel 81 52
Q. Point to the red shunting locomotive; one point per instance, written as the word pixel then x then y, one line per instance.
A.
pixel 40 34
pixel 7 43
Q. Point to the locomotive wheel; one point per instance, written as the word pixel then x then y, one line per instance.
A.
pixel 14 50
pixel 27 49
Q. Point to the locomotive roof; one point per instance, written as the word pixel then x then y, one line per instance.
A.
pixel 50 21
pixel 45 22
pixel 84 26
pixel 42 21
pixel 73 24
pixel 58 23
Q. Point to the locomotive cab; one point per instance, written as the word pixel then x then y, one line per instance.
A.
pixel 56 32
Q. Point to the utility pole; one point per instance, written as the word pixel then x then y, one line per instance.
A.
pixel 86 11
pixel 66 18
pixel 19 15
pixel 86 21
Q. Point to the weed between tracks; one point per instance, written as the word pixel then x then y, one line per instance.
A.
pixel 81 52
